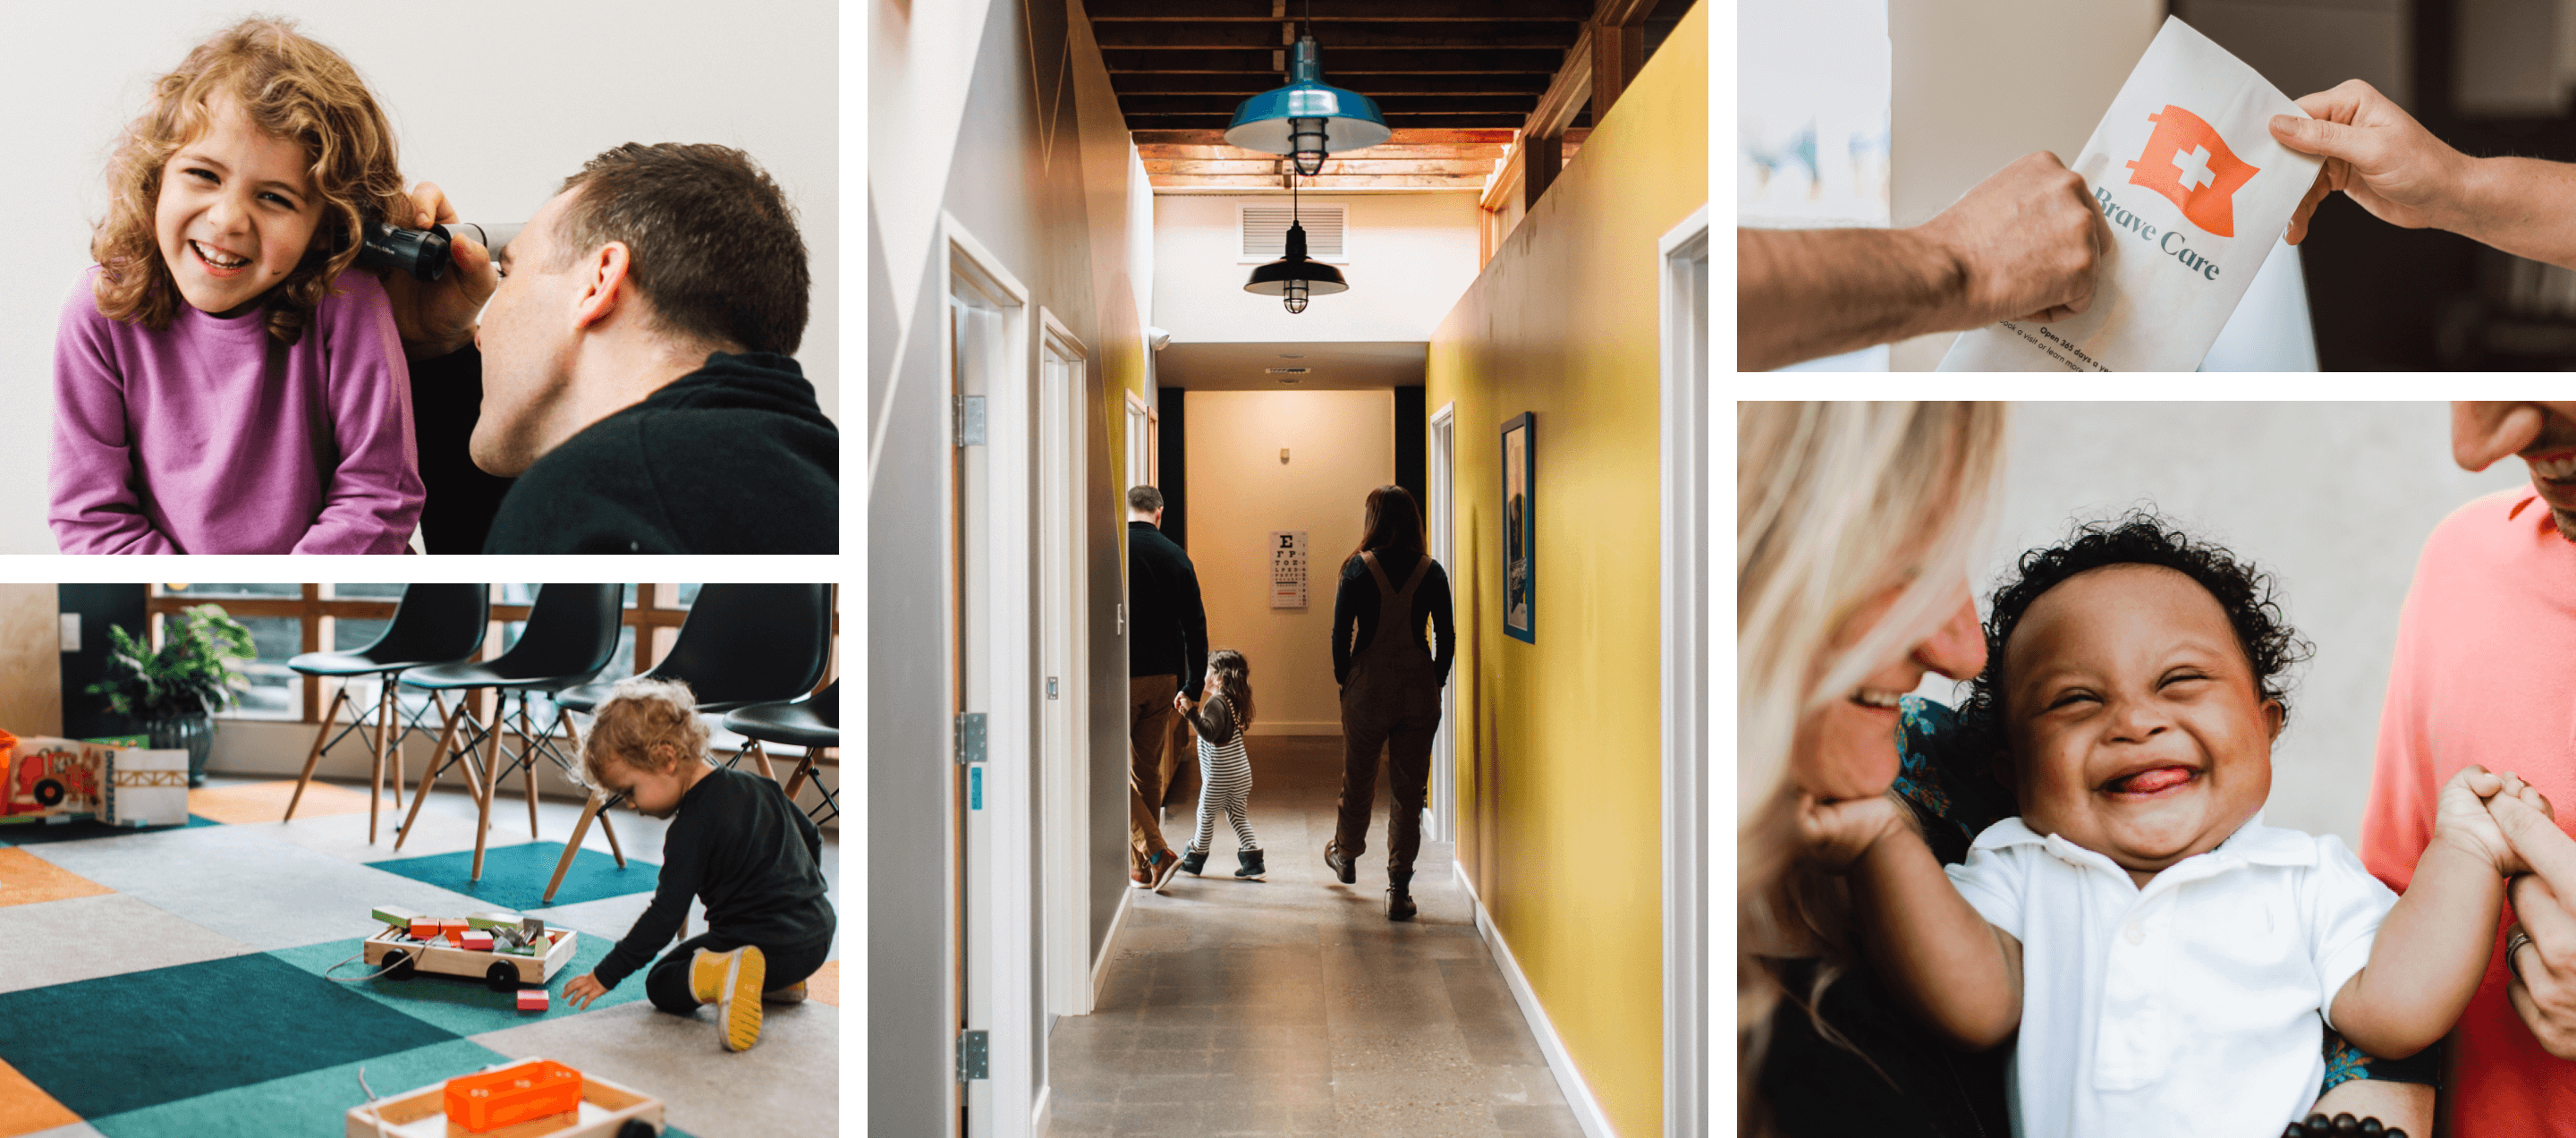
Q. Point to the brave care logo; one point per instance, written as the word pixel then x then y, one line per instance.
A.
pixel 2190 165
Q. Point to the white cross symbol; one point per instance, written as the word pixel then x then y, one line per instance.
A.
pixel 2194 165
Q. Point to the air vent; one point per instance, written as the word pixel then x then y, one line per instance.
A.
pixel 1265 231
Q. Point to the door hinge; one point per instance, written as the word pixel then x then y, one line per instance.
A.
pixel 973 1060
pixel 970 738
pixel 970 420
pixel 1050 687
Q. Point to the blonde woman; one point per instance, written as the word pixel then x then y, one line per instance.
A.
pixel 1854 526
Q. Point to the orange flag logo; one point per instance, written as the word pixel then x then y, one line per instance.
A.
pixel 2188 163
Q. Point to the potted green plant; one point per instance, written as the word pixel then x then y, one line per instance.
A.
pixel 175 692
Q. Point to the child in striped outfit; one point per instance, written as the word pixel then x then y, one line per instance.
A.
pixel 1225 772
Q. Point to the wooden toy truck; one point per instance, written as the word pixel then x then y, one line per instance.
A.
pixel 607 1110
pixel 405 955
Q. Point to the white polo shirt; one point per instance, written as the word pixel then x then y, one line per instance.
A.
pixel 2193 1006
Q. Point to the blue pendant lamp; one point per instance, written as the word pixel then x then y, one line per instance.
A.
pixel 1307 119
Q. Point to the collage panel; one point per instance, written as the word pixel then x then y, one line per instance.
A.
pixel 261 840
pixel 1288 567
pixel 311 277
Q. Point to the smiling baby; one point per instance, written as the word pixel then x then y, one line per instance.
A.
pixel 2168 961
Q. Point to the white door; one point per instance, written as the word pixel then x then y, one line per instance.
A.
pixel 1063 762
pixel 1689 685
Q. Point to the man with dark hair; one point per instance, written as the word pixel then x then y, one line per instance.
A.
pixel 638 385
pixel 1166 653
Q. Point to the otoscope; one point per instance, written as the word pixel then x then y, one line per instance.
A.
pixel 424 252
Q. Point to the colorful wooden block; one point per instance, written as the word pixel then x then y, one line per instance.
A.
pixel 532 999
pixel 455 929
pixel 393 914
pixel 477 940
pixel 425 928
pixel 492 920
pixel 495 1099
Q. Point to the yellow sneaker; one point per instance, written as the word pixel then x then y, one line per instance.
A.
pixel 791 994
pixel 738 1003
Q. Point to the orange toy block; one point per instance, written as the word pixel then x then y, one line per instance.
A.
pixel 455 930
pixel 425 928
pixel 532 999
pixel 495 1099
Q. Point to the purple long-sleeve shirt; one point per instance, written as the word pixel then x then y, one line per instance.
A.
pixel 211 437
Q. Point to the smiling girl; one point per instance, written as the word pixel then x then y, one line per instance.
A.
pixel 221 383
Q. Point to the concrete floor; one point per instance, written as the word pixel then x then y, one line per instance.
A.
pixel 1293 1006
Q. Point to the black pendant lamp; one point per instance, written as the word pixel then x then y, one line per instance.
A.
pixel 1293 278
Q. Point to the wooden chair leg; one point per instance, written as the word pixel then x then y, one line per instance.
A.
pixel 589 810
pixel 376 773
pixel 330 716
pixel 760 756
pixel 804 770
pixel 528 746
pixel 393 750
pixel 613 847
pixel 429 777
pixel 491 790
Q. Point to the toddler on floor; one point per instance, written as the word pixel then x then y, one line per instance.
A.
pixel 222 382
pixel 1225 771
pixel 737 842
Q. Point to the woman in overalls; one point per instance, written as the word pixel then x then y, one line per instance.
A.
pixel 1390 686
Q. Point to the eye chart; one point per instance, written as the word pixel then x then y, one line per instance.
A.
pixel 1287 569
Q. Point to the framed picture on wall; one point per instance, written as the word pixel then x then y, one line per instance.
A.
pixel 1520 533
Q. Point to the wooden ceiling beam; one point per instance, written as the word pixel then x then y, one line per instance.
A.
pixel 1152 152
pixel 1329 12
pixel 1243 84
pixel 1404 136
pixel 1622 12
pixel 1453 168
pixel 1353 61
pixel 1134 105
pixel 1205 36
pixel 1315 185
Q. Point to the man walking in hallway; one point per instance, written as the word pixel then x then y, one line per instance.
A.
pixel 1166 653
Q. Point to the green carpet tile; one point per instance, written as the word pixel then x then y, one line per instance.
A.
pixel 514 877
pixel 39 833
pixel 124 1043
pixel 460 1004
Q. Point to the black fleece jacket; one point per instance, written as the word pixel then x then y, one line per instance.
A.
pixel 735 457
pixel 1166 623
pixel 755 858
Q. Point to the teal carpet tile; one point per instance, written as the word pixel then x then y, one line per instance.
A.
pixel 459 1004
pixel 514 877
pixel 177 1033
pixel 36 833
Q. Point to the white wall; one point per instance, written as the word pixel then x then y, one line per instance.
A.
pixel 495 102
pixel 1341 445
pixel 1979 83
pixel 1411 257
pixel 2334 498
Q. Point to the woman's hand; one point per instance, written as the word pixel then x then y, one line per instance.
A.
pixel 438 317
pixel 2543 955
pixel 1836 834
pixel 581 990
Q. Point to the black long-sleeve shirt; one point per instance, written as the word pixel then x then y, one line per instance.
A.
pixel 755 858
pixel 1166 623
pixel 1355 609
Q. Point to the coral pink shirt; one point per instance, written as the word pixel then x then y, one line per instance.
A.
pixel 2485 672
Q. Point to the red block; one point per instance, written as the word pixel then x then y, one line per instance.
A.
pixel 476 940
pixel 532 999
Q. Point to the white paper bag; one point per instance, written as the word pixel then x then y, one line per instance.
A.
pixel 2195 191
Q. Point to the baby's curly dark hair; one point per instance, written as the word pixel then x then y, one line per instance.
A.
pixel 2139 537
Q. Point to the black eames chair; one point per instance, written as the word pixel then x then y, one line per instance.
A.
pixel 813 723
pixel 571 632
pixel 433 624
pixel 741 645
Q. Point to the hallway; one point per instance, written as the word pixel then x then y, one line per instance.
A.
pixel 1293 1006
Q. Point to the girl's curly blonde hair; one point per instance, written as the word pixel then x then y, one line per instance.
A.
pixel 650 725
pixel 291 87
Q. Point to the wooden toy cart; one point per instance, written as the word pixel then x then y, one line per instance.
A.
pixel 608 1110
pixel 504 971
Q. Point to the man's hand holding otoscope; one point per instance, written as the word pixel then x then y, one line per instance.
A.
pixel 435 309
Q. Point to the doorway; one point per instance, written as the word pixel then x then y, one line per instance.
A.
pixel 1688 687
pixel 1064 647
pixel 1439 480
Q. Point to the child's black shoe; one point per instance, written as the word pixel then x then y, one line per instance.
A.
pixel 1194 861
pixel 1251 869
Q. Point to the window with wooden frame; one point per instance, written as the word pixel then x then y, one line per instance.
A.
pixel 287 619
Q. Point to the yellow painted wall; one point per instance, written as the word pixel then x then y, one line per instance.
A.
pixel 1559 779
pixel 1341 445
